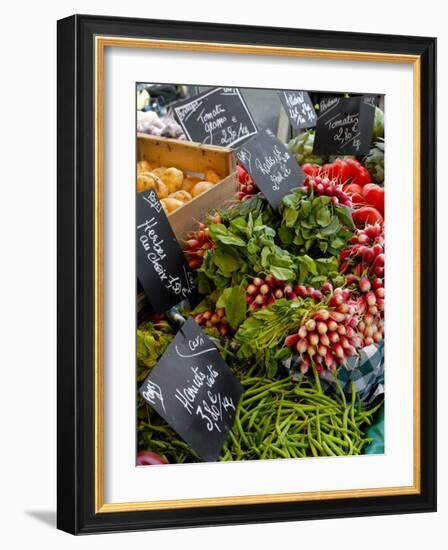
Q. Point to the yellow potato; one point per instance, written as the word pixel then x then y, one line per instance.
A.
pixel 181 195
pixel 201 187
pixel 159 171
pixel 170 205
pixel 211 176
pixel 147 180
pixel 173 179
pixel 145 166
pixel 189 183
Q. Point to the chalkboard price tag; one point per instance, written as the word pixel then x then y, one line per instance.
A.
pixel 299 108
pixel 271 166
pixel 194 390
pixel 218 117
pixel 344 126
pixel 162 269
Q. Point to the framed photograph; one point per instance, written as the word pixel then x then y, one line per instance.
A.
pixel 230 349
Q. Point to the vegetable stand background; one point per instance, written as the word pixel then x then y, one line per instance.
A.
pixel 290 274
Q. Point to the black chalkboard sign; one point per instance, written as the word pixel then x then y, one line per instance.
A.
pixel 271 166
pixel 217 117
pixel 194 390
pixel 162 269
pixel 344 126
pixel 299 108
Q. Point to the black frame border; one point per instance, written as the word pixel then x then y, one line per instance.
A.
pixel 75 272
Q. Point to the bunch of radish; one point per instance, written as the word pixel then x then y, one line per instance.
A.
pixel 329 335
pixel 321 185
pixel 247 184
pixel 198 244
pixel 365 254
pixel 264 290
pixel 214 320
pixel 370 307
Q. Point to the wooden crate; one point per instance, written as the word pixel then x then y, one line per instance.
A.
pixel 194 159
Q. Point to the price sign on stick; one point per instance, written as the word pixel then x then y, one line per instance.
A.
pixel 344 127
pixel 162 269
pixel 218 117
pixel 271 166
pixel 194 390
pixel 299 108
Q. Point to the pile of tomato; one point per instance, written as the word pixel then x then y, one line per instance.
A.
pixel 367 197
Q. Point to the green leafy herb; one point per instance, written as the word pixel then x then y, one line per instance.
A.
pixel 313 226
pixel 233 299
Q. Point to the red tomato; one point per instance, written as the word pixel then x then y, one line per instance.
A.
pixel 357 198
pixel 310 169
pixel 352 188
pixel 343 169
pixel 366 215
pixel 337 170
pixel 327 170
pixel 374 195
pixel 358 173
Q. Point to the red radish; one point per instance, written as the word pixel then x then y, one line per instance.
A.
pixel 316 295
pixel 380 292
pixel 302 332
pixel 364 285
pixel 150 458
pixel 310 325
pixel 301 345
pixel 313 338
pixel 333 337
pixel 337 316
pixel 324 340
pixel 264 289
pixel 371 298
pixel 257 281
pixel 322 350
pixel 292 340
pixel 322 315
pixel 322 327
pixel 304 366
pixel 377 283
pixel 327 287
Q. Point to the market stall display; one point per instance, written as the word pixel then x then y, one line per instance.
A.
pixel 290 294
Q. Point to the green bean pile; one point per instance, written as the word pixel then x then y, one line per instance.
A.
pixel 282 419
pixel 275 419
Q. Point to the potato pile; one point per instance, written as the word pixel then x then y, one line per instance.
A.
pixel 173 187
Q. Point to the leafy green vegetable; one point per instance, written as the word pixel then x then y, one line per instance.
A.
pixel 313 226
pixel 233 299
pixel 151 344
pixel 244 248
